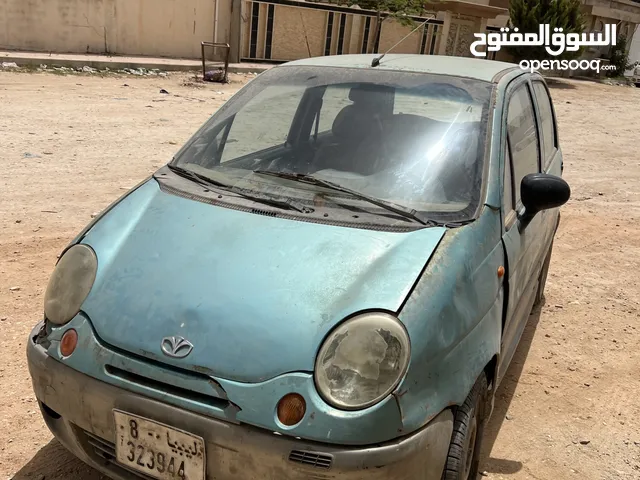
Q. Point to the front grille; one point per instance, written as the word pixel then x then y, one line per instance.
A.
pixel 313 459
pixel 163 387
pixel 106 451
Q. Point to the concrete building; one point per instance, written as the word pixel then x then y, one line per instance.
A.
pixel 597 13
pixel 259 30
pixel 271 30
pixel 634 48
pixel 166 28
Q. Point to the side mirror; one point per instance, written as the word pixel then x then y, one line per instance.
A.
pixel 541 191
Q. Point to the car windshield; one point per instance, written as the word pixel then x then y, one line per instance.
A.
pixel 416 140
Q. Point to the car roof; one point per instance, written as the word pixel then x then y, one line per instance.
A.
pixel 476 68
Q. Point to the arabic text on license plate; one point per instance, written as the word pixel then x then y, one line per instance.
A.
pixel 158 450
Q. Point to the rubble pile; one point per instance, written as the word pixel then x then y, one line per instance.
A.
pixel 154 72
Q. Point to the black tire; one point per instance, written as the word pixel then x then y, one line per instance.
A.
pixel 542 280
pixel 468 427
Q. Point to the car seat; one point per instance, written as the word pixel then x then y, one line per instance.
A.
pixel 354 125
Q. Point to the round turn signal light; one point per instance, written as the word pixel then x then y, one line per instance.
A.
pixel 68 342
pixel 291 409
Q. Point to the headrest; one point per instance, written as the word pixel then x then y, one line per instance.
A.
pixel 359 94
pixel 351 123
pixel 374 95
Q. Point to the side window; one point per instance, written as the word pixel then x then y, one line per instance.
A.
pixel 549 141
pixel 507 188
pixel 522 136
pixel 259 126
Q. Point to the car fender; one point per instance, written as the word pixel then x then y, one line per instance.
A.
pixel 454 319
pixel 99 216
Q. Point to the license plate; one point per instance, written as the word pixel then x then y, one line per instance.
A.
pixel 158 450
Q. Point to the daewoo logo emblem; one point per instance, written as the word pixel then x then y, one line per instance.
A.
pixel 176 347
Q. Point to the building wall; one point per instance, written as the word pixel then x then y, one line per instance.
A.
pixel 283 32
pixel 299 24
pixel 634 48
pixel 165 28
pixel 461 37
pixel 280 30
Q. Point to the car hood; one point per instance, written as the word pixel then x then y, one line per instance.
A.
pixel 255 295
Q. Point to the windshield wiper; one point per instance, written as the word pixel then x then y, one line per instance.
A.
pixel 401 210
pixel 207 181
pixel 196 177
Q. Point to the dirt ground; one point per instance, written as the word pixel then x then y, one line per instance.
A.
pixel 568 409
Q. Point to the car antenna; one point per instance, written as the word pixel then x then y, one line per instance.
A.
pixel 304 29
pixel 376 61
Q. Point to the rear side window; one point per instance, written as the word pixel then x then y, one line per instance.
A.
pixel 522 136
pixel 549 141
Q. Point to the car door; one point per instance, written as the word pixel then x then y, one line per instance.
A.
pixel 524 248
pixel 550 154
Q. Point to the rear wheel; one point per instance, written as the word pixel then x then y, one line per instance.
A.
pixel 464 450
pixel 542 280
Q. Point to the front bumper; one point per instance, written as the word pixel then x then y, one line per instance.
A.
pixel 78 411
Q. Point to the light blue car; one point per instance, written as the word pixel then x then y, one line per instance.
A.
pixel 327 281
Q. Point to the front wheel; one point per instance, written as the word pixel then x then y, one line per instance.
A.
pixel 463 459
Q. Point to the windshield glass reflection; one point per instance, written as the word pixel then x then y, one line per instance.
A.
pixel 416 140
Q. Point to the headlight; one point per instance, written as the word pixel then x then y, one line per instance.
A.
pixel 362 361
pixel 70 284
